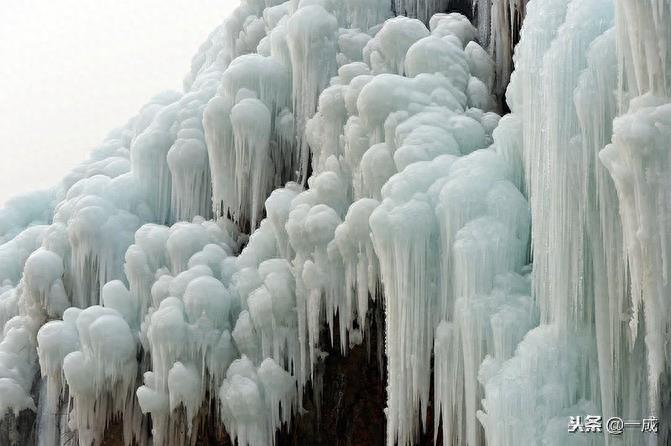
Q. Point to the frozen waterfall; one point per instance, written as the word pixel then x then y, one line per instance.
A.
pixel 332 160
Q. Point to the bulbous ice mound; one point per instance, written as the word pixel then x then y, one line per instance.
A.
pixel 364 156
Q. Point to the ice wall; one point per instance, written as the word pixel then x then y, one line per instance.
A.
pixel 578 86
pixel 189 307
pixel 638 161
pixel 326 159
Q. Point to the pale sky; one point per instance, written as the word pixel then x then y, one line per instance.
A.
pixel 72 70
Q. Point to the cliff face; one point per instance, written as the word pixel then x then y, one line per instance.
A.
pixel 352 398
pixel 18 430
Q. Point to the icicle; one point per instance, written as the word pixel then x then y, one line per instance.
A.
pixel 149 162
pixel 355 245
pixel 190 176
pixel 423 9
pixel 251 122
pixel 311 38
pixel 638 160
pixel 238 145
pixel 541 380
pixel 409 284
pixel 100 376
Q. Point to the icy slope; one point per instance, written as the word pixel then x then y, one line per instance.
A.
pixel 362 154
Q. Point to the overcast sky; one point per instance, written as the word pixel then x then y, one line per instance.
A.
pixel 72 70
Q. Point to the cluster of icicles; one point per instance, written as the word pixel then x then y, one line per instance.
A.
pixel 133 297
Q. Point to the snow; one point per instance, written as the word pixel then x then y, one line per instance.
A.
pixel 326 160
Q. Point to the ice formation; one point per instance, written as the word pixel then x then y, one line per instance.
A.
pixel 327 159
pixel 586 259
